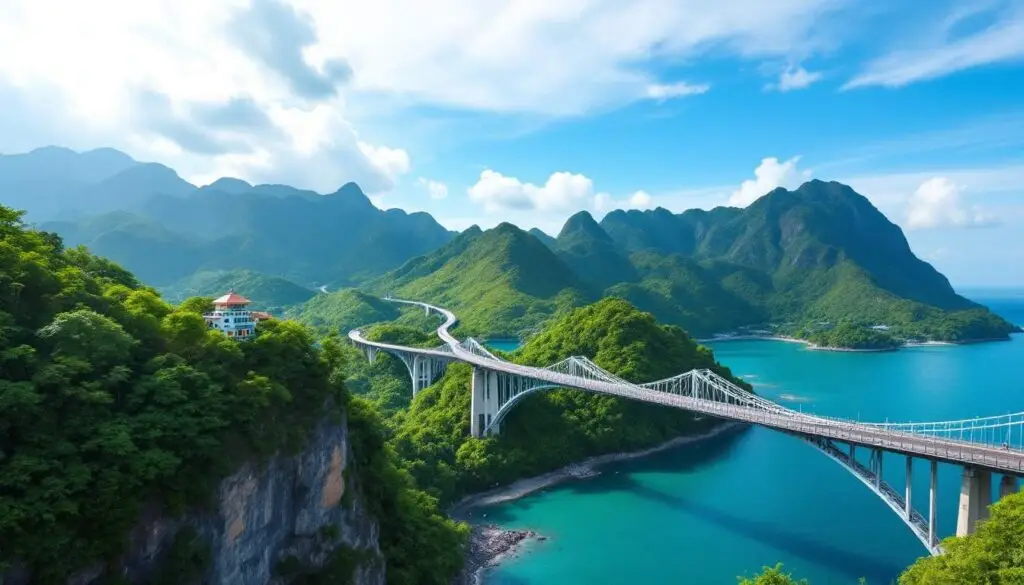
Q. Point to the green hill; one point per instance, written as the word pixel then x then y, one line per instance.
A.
pixel 334 239
pixel 554 428
pixel 702 297
pixel 266 292
pixel 113 398
pixel 344 310
pixel 591 253
pixel 821 253
pixel 500 282
pixel 113 401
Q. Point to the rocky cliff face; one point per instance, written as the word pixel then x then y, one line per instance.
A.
pixel 289 514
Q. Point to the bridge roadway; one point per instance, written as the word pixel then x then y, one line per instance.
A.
pixel 960 452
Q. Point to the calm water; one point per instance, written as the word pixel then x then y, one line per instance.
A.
pixel 705 513
pixel 503 344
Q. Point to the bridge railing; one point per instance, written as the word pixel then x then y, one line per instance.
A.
pixel 994 431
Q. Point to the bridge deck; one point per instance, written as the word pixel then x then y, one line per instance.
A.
pixel 950 450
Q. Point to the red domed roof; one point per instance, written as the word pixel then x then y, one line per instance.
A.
pixel 232 298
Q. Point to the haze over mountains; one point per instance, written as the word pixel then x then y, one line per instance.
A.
pixel 819 254
pixel 147 218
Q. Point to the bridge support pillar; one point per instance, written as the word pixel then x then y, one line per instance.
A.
pixel 908 507
pixel 424 371
pixel 932 493
pixel 415 373
pixel 973 499
pixel 1007 486
pixel 484 402
pixel 985 493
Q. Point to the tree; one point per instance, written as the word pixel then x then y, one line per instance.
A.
pixel 994 554
pixel 772 576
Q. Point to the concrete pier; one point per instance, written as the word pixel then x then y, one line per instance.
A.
pixel 975 497
pixel 424 370
pixel 484 402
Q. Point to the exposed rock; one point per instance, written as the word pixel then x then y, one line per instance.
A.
pixel 287 508
pixel 488 544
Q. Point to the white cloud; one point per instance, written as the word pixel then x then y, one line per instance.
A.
pixel 798 78
pixel 640 200
pixel 436 189
pixel 562 191
pixel 664 91
pixel 937 203
pixel 604 202
pixel 1001 42
pixel 180 82
pixel 392 161
pixel 767 176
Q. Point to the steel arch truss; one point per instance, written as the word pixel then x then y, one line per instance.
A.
pixel 871 476
pixel 423 369
pixel 510 390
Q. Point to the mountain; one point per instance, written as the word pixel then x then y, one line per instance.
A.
pixel 820 253
pixel 154 253
pixel 344 310
pixel 46 181
pixel 335 239
pixel 704 298
pixel 543 237
pixel 793 261
pixel 550 429
pixel 501 281
pixel 266 292
pixel 227 185
pixel 591 253
pixel 128 190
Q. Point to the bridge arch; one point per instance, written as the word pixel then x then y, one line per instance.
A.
pixel 982 445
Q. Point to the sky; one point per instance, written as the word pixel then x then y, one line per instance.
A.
pixel 482 111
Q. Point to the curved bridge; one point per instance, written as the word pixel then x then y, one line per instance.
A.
pixel 981 445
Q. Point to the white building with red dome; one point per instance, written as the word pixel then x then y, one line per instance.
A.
pixel 232 316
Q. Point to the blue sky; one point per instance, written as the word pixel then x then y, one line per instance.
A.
pixel 483 111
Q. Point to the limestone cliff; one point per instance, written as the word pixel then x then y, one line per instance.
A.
pixel 289 514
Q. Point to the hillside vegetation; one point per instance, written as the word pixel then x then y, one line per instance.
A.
pixel 791 261
pixel 994 554
pixel 164 229
pixel 554 428
pixel 821 253
pixel 111 397
pixel 502 281
pixel 266 292
pixel 343 310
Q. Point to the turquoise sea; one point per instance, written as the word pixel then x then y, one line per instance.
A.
pixel 707 512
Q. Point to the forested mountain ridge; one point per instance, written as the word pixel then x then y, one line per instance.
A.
pixel 793 261
pixel 164 229
pixel 591 253
pixel 551 429
pixel 503 280
pixel 117 406
pixel 267 293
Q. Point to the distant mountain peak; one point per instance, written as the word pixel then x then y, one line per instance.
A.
pixel 583 224
pixel 350 189
pixel 52 149
pixel 229 185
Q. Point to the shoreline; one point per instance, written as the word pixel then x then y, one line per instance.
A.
pixel 580 470
pixel 813 347
pixel 490 544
